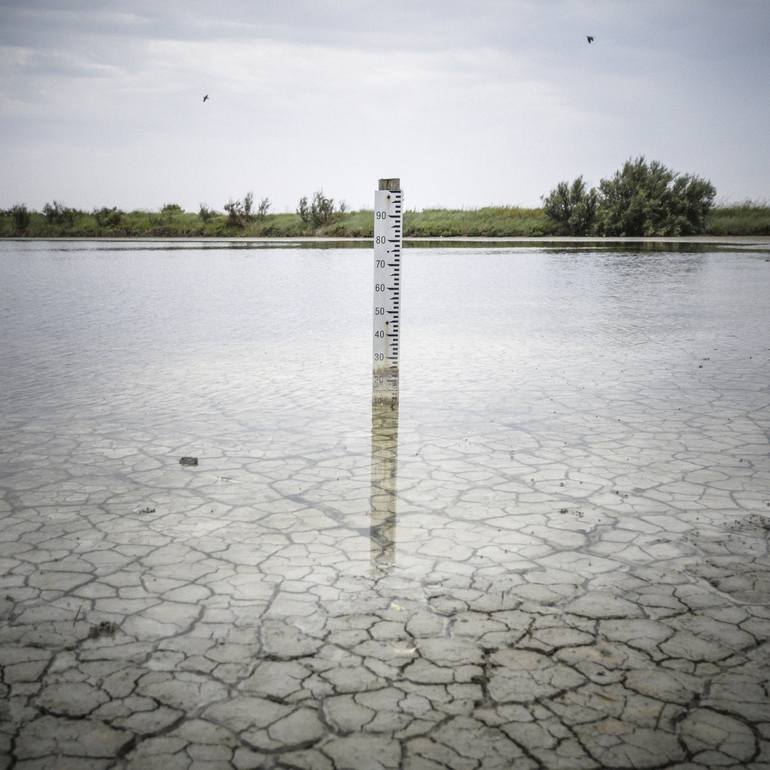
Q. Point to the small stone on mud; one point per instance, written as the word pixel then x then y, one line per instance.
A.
pixel 105 628
pixel 188 460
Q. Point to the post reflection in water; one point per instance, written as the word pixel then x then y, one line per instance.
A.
pixel 382 498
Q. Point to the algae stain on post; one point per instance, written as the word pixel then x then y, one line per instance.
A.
pixel 384 482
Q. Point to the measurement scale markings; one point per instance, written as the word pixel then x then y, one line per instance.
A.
pixel 387 288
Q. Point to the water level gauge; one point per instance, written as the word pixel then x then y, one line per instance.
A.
pixel 388 230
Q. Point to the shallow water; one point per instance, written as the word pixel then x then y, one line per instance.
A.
pixel 570 503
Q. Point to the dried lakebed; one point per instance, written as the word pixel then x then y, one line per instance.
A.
pixel 553 555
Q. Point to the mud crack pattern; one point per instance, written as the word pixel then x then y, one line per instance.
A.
pixel 562 564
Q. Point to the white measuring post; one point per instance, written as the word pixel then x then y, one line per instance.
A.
pixel 388 216
pixel 388 235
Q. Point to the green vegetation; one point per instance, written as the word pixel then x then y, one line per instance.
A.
pixel 498 221
pixel 319 216
pixel 20 218
pixel 572 207
pixel 745 218
pixel 642 199
pixel 320 211
pixel 566 212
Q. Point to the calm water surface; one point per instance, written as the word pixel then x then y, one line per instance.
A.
pixel 240 341
pixel 529 364
pixel 562 532
pixel 533 365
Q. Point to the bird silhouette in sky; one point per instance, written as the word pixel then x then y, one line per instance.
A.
pixel 206 98
pixel 590 39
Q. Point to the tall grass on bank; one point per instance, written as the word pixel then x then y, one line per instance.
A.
pixel 498 221
pixel 747 218
pixel 172 222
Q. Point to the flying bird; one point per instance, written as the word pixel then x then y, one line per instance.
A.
pixel 589 38
pixel 206 97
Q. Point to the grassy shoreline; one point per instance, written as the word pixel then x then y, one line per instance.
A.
pixel 750 219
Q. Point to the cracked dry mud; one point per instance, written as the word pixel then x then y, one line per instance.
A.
pixel 558 567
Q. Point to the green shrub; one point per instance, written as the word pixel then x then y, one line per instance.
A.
pixel 56 213
pixel 21 217
pixel 248 205
pixel 572 207
pixel 303 210
pixel 241 212
pixel 235 213
pixel 320 211
pixel 648 199
pixel 642 199
pixel 262 209
pixel 108 217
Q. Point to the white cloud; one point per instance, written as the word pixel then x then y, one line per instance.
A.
pixel 470 105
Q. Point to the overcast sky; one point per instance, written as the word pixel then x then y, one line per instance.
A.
pixel 470 103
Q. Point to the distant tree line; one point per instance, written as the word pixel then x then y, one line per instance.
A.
pixel 239 214
pixel 642 199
